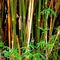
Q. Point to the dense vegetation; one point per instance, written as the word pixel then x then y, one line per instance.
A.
pixel 29 29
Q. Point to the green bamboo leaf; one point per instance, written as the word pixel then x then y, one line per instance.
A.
pixel 58 28
pixel 52 39
pixel 43 29
pixel 49 46
pixel 41 44
pixel 6 53
pixel 47 12
pixel 37 56
pixel 53 13
pixel 30 55
pixel 43 57
pixel 55 54
pixel 32 45
pixel 1 44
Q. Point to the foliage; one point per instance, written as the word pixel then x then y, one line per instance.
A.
pixel 26 20
pixel 8 52
pixel 47 12
pixel 1 44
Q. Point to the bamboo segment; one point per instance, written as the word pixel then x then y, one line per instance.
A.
pixel 29 21
pixel 29 24
pixel 18 45
pixel 38 24
pixel 38 20
pixel 13 12
pixel 50 32
pixel 20 23
pixel 45 26
pixel 9 23
pixel 24 20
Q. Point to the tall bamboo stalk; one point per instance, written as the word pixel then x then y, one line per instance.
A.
pixel 24 20
pixel 38 23
pixel 13 4
pixel 50 32
pixel 9 23
pixel 45 26
pixel 38 20
pixel 29 21
pixel 56 10
pixel 20 23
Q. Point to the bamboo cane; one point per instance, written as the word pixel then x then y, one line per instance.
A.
pixel 38 20
pixel 38 23
pixel 56 10
pixel 24 20
pixel 9 23
pixel 18 45
pixel 50 32
pixel 13 5
pixel 45 26
pixel 29 21
pixel 20 23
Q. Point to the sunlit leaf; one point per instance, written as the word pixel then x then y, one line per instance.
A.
pixel 41 44
pixel 43 57
pixel 32 45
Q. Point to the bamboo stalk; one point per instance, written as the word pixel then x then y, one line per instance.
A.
pixel 29 24
pixel 29 21
pixel 12 41
pixel 24 20
pixel 13 12
pixel 20 23
pixel 27 2
pixel 56 10
pixel 38 20
pixel 18 45
pixel 50 32
pixel 38 23
pixel 45 26
pixel 9 23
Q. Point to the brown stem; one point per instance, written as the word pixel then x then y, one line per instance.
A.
pixel 8 2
